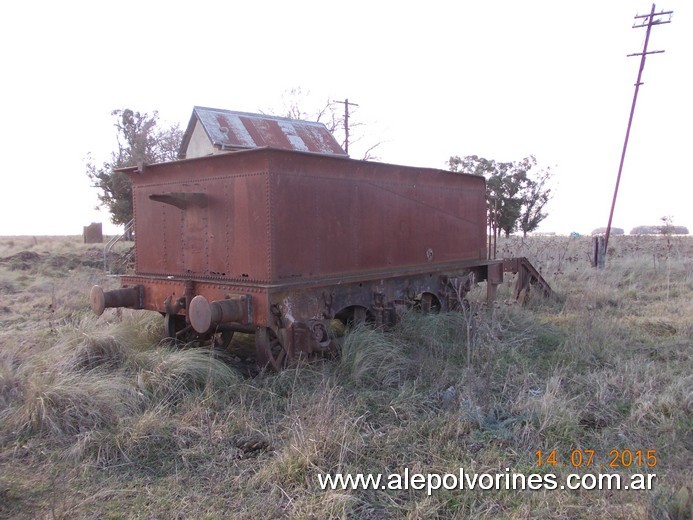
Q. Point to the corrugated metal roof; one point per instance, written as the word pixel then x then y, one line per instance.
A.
pixel 227 129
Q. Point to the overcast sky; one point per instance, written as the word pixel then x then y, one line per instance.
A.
pixel 499 79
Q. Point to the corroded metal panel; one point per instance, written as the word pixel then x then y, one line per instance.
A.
pixel 203 218
pixel 334 216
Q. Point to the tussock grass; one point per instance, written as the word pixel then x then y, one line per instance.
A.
pixel 63 404
pixel 370 357
pixel 442 337
pixel 175 375
pixel 92 379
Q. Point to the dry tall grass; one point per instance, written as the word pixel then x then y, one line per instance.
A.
pixel 98 418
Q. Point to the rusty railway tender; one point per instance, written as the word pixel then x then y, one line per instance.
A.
pixel 280 242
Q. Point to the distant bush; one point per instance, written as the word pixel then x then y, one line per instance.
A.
pixel 602 231
pixel 659 230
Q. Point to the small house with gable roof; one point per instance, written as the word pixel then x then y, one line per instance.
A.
pixel 213 131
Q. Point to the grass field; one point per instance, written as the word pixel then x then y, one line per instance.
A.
pixel 98 419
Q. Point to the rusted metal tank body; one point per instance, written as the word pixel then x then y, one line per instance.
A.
pixel 272 216
pixel 289 240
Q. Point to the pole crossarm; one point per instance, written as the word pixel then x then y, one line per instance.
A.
pixel 651 21
pixel 643 53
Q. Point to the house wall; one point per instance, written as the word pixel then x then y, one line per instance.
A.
pixel 199 144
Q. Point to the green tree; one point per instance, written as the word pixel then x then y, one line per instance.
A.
pixel 515 199
pixel 535 196
pixel 139 140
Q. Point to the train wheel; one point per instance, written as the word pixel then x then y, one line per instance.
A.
pixel 426 303
pixel 269 350
pixel 176 329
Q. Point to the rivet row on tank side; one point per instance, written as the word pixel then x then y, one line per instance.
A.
pixel 202 283
pixel 163 231
pixel 270 224
pixel 227 242
pixel 206 179
pixel 181 234
pixel 205 229
pixel 134 212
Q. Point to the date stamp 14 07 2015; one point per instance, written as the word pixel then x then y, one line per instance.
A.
pixel 585 458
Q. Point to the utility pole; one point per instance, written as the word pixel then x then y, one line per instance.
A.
pixel 649 23
pixel 346 122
